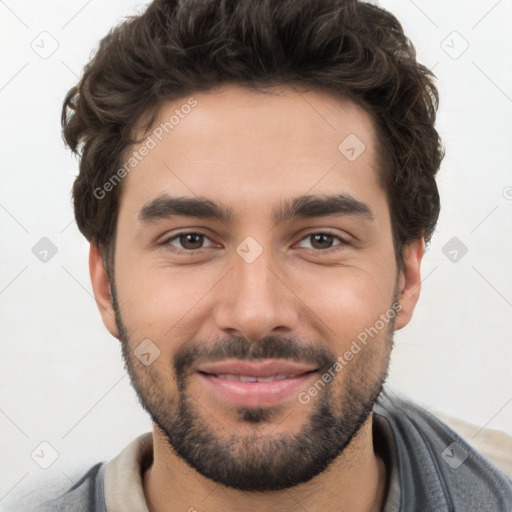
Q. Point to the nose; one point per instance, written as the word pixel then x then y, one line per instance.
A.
pixel 256 299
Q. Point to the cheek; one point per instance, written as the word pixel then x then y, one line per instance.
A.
pixel 160 303
pixel 348 301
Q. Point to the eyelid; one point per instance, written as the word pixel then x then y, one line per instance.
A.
pixel 166 241
pixel 334 234
pixel 343 240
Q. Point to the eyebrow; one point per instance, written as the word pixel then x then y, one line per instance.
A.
pixel 302 207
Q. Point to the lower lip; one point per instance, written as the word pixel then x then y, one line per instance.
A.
pixel 256 394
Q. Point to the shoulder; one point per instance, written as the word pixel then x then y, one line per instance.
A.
pixel 494 445
pixel 433 457
pixel 86 495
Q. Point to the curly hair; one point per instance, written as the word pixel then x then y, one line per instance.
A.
pixel 177 47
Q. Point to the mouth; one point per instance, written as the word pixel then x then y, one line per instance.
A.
pixel 251 378
pixel 249 384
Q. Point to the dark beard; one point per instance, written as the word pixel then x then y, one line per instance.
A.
pixel 258 462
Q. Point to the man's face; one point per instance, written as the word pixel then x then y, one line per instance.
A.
pixel 287 295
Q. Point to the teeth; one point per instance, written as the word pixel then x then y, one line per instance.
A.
pixel 247 378
pixel 228 377
pixel 243 378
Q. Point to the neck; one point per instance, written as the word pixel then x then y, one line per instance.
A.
pixel 355 481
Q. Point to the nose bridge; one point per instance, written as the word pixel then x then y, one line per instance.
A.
pixel 254 276
pixel 255 301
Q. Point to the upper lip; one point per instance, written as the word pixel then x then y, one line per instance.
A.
pixel 269 368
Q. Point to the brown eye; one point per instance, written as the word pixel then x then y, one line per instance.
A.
pixel 323 241
pixel 191 241
pixel 187 242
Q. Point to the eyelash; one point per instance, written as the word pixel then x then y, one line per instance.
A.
pixel 176 236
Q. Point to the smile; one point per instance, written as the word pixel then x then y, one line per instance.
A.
pixel 250 378
pixel 249 384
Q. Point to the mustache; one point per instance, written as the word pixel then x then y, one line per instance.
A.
pixel 270 347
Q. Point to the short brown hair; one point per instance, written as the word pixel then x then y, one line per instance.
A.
pixel 175 48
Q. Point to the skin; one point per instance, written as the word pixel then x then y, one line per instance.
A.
pixel 251 151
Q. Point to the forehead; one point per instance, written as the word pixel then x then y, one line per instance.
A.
pixel 243 146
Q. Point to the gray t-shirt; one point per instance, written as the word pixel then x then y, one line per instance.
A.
pixel 430 468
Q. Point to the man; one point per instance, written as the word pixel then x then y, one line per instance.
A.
pixel 259 343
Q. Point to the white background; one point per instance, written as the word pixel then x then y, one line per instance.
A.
pixel 62 379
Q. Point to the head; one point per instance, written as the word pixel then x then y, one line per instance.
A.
pixel 315 115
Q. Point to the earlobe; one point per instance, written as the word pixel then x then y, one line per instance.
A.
pixel 101 289
pixel 410 281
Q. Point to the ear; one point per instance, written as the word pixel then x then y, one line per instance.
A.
pixel 101 288
pixel 409 281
